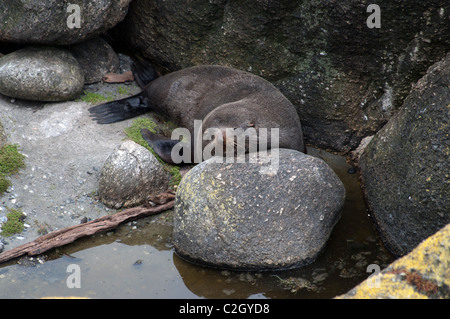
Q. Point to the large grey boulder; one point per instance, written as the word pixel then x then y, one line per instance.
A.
pixel 41 74
pixel 405 168
pixel 97 58
pixel 345 78
pixel 130 174
pixel 256 216
pixel 58 22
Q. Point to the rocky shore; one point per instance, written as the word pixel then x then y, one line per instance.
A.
pixel 378 95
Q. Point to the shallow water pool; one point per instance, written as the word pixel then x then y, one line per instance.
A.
pixel 137 260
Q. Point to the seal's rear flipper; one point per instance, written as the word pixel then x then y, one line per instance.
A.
pixel 143 71
pixel 161 145
pixel 120 110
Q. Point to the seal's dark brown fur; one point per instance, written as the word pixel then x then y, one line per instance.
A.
pixel 221 97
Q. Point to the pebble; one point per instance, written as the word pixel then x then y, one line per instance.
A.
pixel 228 292
pixel 138 262
pixel 320 277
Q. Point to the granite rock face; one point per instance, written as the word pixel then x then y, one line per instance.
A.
pixel 405 168
pixel 242 216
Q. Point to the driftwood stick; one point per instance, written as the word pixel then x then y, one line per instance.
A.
pixel 69 234
pixel 118 78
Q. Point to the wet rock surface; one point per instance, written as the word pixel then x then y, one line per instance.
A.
pixel 129 175
pixel 96 58
pixel 55 22
pixel 232 216
pixel 405 166
pixel 64 154
pixel 422 274
pixel 41 74
pixel 344 78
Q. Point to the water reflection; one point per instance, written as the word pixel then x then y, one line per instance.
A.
pixel 137 261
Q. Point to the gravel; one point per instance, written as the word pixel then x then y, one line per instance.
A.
pixel 64 153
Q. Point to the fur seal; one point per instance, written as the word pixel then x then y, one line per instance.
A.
pixel 221 97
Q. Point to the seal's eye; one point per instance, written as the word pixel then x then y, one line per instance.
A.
pixel 245 125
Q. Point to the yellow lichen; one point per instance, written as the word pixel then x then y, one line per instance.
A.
pixel 423 273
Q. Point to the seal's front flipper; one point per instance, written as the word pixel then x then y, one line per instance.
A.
pixel 120 110
pixel 161 145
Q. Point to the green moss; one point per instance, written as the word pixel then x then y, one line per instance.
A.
pixel 175 176
pixel 4 184
pixel 10 159
pixel 134 133
pixel 10 163
pixel 94 98
pixel 14 224
pixel 122 90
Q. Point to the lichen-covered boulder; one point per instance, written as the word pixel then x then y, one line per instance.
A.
pixel 405 167
pixel 41 74
pixel 422 274
pixel 252 216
